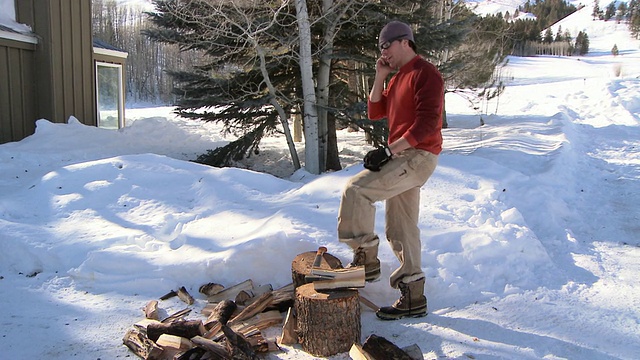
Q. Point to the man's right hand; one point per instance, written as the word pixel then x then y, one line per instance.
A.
pixel 375 159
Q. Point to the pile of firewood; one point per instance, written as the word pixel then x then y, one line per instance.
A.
pixel 231 323
pixel 230 326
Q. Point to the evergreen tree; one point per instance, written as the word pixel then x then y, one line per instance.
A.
pixel 610 11
pixel 621 12
pixel 634 18
pixel 614 50
pixel 595 13
pixel 582 43
pixel 548 36
pixel 559 35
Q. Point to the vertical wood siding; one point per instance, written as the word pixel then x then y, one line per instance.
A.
pixel 16 91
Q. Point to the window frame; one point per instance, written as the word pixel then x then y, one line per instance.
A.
pixel 121 101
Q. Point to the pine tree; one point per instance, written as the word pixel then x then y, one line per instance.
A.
pixel 634 18
pixel 596 10
pixel 582 43
pixel 559 35
pixel 610 11
pixel 548 36
pixel 621 12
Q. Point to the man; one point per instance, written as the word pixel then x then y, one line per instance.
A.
pixel 413 104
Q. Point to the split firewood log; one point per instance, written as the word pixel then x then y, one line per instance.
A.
pixel 183 328
pixel 195 353
pixel 221 313
pixel 260 322
pixel 283 298
pixel 238 346
pixel 151 310
pixel 255 308
pixel 217 349
pixel 174 342
pixel 142 324
pixel 184 295
pixel 169 295
pixel 177 315
pixel 357 353
pixel 231 292
pixel 289 336
pixel 138 342
pixel 414 352
pixel 210 289
pixel 380 348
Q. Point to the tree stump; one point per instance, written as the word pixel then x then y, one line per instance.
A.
pixel 301 266
pixel 328 322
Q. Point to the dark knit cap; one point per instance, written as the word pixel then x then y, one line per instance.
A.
pixel 395 30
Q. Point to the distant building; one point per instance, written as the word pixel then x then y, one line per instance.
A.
pixel 52 68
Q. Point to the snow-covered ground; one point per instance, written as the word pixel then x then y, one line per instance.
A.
pixel 530 224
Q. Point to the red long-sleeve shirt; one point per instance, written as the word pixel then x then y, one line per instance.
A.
pixel 413 103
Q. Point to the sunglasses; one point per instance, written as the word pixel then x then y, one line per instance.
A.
pixel 385 45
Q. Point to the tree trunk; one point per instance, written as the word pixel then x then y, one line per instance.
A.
pixel 333 156
pixel 311 130
pixel 328 322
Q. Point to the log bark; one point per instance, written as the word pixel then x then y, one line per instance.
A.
pixel 301 266
pixel 328 322
pixel 184 328
pixel 382 349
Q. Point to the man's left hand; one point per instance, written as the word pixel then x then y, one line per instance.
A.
pixel 375 159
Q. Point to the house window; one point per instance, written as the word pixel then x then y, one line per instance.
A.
pixel 110 95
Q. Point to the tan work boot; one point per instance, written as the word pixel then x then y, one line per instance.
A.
pixel 367 255
pixel 412 302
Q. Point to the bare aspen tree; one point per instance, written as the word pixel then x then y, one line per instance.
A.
pixel 332 16
pixel 311 129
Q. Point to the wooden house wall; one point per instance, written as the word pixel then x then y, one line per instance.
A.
pixel 64 60
pixel 17 86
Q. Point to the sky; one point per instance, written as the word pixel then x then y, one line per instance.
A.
pixel 529 225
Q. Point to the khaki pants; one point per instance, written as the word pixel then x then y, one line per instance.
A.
pixel 398 182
